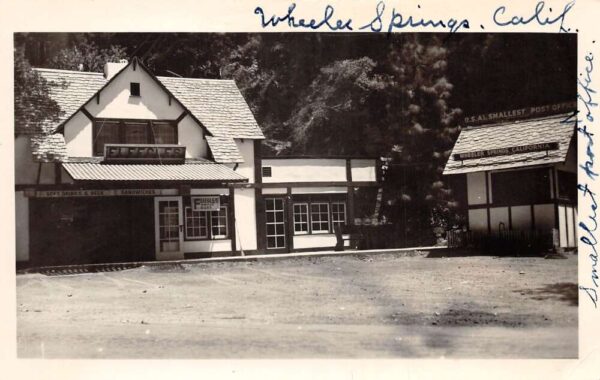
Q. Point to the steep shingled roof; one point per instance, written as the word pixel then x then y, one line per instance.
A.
pixel 216 103
pixel 510 134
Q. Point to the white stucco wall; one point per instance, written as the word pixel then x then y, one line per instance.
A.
pixel 274 190
pixel 316 241
pixel 363 170
pixel 116 102
pixel 191 135
pixel 78 136
pixel 478 220
pixel 22 226
pixel 245 216
pixel 195 246
pixel 476 188
pixel 320 190
pixel 305 170
pixel 246 149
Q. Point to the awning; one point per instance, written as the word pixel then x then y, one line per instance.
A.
pixel 190 171
pixel 519 139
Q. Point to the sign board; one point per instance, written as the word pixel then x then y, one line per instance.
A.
pixel 97 193
pixel 206 203
pixel 506 151
pixel 521 113
pixel 144 154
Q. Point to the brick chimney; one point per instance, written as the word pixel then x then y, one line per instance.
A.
pixel 112 68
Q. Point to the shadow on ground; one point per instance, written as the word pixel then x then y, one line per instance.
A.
pixel 561 291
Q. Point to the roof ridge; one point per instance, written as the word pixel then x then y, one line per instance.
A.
pixel 197 79
pixel 67 71
pixel 517 121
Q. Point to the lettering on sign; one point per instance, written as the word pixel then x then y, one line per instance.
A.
pixel 521 113
pixel 506 151
pixel 95 193
pixel 208 203
pixel 144 154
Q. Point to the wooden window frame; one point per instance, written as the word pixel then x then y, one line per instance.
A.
pixel 97 125
pixel 187 226
pixel 329 226
pixel 307 205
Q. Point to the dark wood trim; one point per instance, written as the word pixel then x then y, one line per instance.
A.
pixel 509 218
pixel 289 230
pixel 556 224
pixel 533 217
pixel 39 174
pixel 108 185
pixel 310 184
pixel 57 173
pixel 135 61
pixel 350 206
pixel 487 201
pixel 257 161
pixel 259 207
pixel 349 170
pixel 181 117
pixel 87 114
pixel 98 97
pixel 338 157
pixel 231 219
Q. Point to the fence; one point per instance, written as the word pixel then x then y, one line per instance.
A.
pixel 502 243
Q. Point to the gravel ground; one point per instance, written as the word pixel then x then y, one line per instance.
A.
pixel 372 306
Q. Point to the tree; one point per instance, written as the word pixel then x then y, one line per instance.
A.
pixel 85 55
pixel 34 110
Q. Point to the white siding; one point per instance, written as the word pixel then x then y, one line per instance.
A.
pixel 562 226
pixel 363 170
pixel 476 188
pixel 305 170
pixel 22 226
pixel 277 190
pixel 223 245
pixel 319 190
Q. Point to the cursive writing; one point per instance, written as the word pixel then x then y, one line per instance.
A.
pixel 400 21
pixel 589 221
pixel 294 22
pixel 536 17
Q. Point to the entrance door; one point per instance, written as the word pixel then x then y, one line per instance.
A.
pixel 275 213
pixel 168 228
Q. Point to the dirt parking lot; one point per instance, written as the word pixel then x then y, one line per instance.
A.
pixel 371 306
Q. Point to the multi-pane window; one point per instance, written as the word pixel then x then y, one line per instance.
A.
pixel 338 213
pixel 300 218
pixel 196 224
pixel 218 222
pixel 132 132
pixel 319 217
pixel 275 223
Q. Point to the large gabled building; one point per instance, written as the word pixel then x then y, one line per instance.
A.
pixel 141 167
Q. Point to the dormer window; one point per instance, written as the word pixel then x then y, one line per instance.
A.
pixel 114 131
pixel 134 89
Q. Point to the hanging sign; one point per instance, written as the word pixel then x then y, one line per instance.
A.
pixel 96 193
pixel 144 154
pixel 206 203
pixel 521 113
pixel 506 151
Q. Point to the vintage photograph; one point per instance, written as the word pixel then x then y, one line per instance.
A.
pixel 296 195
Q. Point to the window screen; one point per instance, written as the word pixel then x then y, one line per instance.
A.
pixel 521 187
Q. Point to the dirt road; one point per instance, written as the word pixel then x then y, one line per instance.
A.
pixel 352 306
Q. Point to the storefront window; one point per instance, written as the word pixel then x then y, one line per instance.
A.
pixel 275 223
pixel 218 222
pixel 319 215
pixel 196 223
pixel 521 187
pixel 300 218
pixel 338 213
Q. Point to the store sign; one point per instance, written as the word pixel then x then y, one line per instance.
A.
pixel 521 113
pixel 97 193
pixel 506 151
pixel 144 154
pixel 209 203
